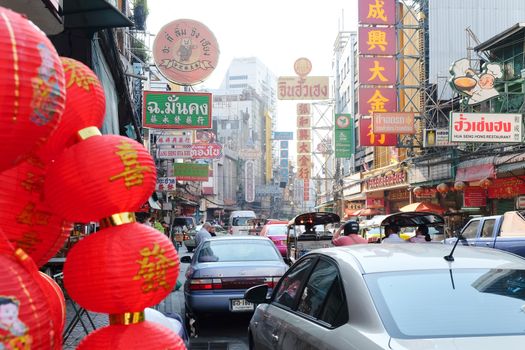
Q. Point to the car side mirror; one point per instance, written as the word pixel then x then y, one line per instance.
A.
pixel 186 259
pixel 257 294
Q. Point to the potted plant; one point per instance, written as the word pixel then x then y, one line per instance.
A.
pixel 140 13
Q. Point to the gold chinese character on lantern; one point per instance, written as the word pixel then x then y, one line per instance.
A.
pixel 153 268
pixel 133 173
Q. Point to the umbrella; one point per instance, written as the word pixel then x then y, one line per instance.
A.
pixel 366 212
pixel 426 207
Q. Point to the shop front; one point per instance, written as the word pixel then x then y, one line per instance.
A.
pixel 383 185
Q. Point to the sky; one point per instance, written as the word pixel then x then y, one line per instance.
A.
pixel 276 32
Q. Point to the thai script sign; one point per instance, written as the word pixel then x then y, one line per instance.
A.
pixel 191 172
pixel 166 184
pixel 377 70
pixel 368 138
pixel 282 135
pixel 249 181
pixel 185 51
pixel 486 127
pixel 344 135
pixel 380 181
pixel 206 151
pixel 176 110
pixel 437 138
pixel 393 123
pixel 309 88
pixel 377 100
pixel 377 40
pixel 376 11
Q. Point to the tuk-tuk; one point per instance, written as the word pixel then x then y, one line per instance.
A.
pixel 409 221
pixel 309 231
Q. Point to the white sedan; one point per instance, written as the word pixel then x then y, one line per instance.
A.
pixel 407 296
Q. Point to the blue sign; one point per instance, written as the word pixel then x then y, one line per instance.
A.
pixel 284 144
pixel 284 163
pixel 283 174
pixel 282 135
pixel 284 153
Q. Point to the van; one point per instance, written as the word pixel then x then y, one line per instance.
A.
pixel 238 221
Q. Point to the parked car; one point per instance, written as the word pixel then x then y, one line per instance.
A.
pixel 221 270
pixel 505 232
pixel 404 296
pixel 277 233
pixel 189 241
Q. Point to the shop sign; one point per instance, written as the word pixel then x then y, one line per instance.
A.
pixel 398 195
pixel 376 11
pixel 377 100
pixel 426 193
pixel 166 184
pixel 307 88
pixel 304 147
pixel 486 127
pixel 375 203
pixel 206 151
pixel 164 138
pixel 377 40
pixel 393 123
pixel 191 172
pixel 520 202
pixel 306 190
pixel 175 152
pixel 249 181
pixel 249 153
pixel 437 138
pixel 368 138
pixel 397 178
pixel 205 136
pixel 283 144
pixel 304 121
pixel 474 197
pixel 304 134
pixel 508 187
pixel 185 51
pixel 377 70
pixel 176 110
pixel 344 135
pixel 268 190
pixel 304 109
pixel 282 135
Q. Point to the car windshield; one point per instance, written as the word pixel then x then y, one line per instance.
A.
pixel 241 221
pixel 238 250
pixel 183 222
pixel 450 303
pixel 276 230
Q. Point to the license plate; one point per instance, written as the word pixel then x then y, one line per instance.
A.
pixel 240 305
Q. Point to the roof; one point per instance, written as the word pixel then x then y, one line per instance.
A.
pixel 412 218
pixel 422 256
pixel 498 38
pixel 315 218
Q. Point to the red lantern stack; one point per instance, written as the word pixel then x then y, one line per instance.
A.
pixel 442 188
pixel 57 304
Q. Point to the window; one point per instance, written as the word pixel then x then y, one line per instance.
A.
pixel 488 228
pixel 470 230
pixel 238 250
pixel 238 77
pixel 290 285
pixel 322 298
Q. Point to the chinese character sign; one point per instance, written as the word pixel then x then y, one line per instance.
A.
pixel 304 109
pixel 368 138
pixel 304 121
pixel 377 40
pixel 176 110
pixel 377 70
pixel 377 100
pixel 304 147
pixel 304 134
pixel 377 11
pixel 249 181
pixel 344 135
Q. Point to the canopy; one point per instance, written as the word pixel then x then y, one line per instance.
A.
pixel 315 218
pixel 413 219
pixel 426 207
pixel 367 212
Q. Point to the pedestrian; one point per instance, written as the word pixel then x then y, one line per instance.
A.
pixel 392 235
pixel 422 235
pixel 203 234
pixel 212 231
pixel 350 235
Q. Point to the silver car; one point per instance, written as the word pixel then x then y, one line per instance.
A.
pixel 404 296
pixel 223 268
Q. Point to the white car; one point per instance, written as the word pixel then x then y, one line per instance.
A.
pixel 409 296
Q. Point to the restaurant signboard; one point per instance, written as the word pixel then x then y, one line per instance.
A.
pixel 486 127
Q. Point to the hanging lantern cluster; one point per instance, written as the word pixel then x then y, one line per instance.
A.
pixel 442 188
pixel 418 191
pixel 459 186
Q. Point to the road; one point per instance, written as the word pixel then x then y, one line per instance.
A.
pixel 221 332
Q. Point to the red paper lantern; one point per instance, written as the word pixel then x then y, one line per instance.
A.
pixel 121 269
pixel 57 305
pixel 27 221
pixel 143 335
pixel 99 177
pixel 485 183
pixel 442 188
pixel 418 191
pixel 24 310
pixel 459 186
pixel 85 107
pixel 32 91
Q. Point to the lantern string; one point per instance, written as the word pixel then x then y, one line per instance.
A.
pixel 88 132
pixel 127 318
pixel 118 219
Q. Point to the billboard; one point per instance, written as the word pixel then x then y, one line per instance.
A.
pixel 282 135
pixel 191 172
pixel 393 123
pixel 344 135
pixel 377 70
pixel 368 138
pixel 376 11
pixel 377 100
pixel 297 88
pixel 486 127
pixel 377 40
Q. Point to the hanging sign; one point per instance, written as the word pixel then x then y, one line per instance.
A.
pixel 486 127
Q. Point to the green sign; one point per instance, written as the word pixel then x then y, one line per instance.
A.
pixel 191 172
pixel 176 110
pixel 344 135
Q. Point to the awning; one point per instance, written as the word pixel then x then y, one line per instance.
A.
pixel 154 204
pixel 476 169
pixel 505 168
pixel 93 14
pixel 324 205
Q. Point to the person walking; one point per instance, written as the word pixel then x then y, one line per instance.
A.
pixel 350 235
pixel 203 234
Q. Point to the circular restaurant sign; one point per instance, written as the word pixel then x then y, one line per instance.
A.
pixel 302 66
pixel 185 51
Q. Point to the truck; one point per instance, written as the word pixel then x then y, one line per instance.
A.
pixel 504 232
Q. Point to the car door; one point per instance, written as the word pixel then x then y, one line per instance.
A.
pixel 486 236
pixel 470 232
pixel 267 329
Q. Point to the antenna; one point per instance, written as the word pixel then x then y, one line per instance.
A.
pixel 450 257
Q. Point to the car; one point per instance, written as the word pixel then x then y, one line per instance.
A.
pixel 238 221
pixel 221 270
pixel 277 233
pixel 396 296
pixel 189 239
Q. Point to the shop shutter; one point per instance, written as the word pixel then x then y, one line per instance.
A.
pixel 504 205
